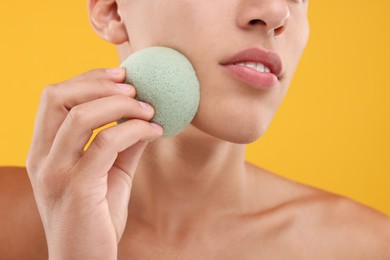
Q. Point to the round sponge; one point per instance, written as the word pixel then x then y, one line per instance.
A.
pixel 165 79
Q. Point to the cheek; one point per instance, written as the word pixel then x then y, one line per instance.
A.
pixel 238 122
pixel 176 24
pixel 234 112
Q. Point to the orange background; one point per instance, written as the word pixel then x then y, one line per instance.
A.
pixel 331 131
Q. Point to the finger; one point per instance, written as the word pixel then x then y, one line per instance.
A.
pixel 119 185
pixel 114 74
pixel 125 159
pixel 77 128
pixel 69 96
pixel 103 151
pixel 56 100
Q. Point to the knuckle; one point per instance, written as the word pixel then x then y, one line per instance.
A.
pixel 93 73
pixel 51 180
pixel 102 87
pixel 75 115
pixel 124 99
pixel 104 139
pixel 44 180
pixel 141 124
pixel 30 165
pixel 129 102
pixel 92 83
pixel 89 73
pixel 145 130
pixel 50 93
pixel 45 183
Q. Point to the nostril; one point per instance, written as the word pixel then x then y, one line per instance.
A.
pixel 257 21
pixel 275 31
pixel 279 30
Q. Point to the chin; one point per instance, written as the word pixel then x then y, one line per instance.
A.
pixel 238 132
pixel 239 136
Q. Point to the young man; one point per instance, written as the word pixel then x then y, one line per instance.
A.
pixel 192 196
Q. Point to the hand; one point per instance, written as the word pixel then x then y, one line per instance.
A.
pixel 83 196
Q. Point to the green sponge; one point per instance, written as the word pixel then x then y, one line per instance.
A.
pixel 165 79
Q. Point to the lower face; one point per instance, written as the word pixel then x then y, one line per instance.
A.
pixel 208 32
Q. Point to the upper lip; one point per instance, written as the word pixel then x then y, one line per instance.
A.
pixel 267 58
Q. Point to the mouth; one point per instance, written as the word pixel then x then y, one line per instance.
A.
pixel 255 67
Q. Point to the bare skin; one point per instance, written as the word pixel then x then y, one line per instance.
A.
pixel 188 197
pixel 299 222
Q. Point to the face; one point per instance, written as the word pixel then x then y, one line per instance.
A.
pixel 209 33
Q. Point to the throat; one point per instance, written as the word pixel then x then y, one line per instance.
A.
pixel 175 185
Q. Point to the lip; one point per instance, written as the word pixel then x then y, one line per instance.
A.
pixel 251 76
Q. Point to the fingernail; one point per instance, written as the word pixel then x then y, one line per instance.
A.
pixel 115 71
pixel 126 87
pixel 145 106
pixel 157 126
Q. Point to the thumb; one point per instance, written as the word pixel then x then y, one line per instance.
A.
pixel 119 183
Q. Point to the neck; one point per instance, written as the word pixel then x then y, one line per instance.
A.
pixel 188 178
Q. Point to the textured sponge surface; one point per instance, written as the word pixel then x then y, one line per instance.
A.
pixel 166 79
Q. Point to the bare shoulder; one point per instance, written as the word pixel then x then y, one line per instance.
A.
pixel 323 225
pixel 21 230
pixel 341 228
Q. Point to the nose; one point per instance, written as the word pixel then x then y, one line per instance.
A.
pixel 270 16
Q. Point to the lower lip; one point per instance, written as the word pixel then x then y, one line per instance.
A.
pixel 257 79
